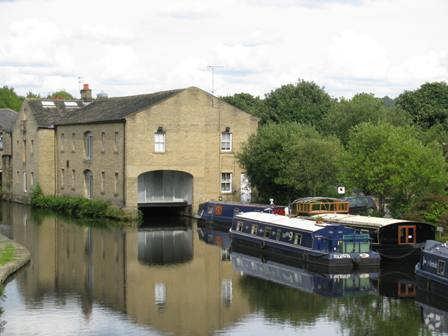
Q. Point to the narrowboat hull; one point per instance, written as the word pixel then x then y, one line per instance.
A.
pixel 323 260
pixel 431 283
pixel 223 212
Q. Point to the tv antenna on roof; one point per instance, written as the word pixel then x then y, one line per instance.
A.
pixel 212 70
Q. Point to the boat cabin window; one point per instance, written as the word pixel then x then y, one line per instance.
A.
pixel 210 210
pixel 441 267
pixel 239 226
pixel 406 234
pixel 297 239
pixel 267 232
pixel 278 234
pixel 254 229
pixel 354 243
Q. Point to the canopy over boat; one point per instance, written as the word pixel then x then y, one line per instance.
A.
pixel 360 221
pixel 309 206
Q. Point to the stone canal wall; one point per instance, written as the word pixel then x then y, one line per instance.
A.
pixel 21 258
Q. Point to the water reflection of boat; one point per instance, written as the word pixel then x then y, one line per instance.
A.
pixel 172 243
pixel 434 311
pixel 396 280
pixel 299 277
pixel 216 234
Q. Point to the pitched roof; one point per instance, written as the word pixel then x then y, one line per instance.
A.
pixel 113 109
pixel 47 116
pixel 7 118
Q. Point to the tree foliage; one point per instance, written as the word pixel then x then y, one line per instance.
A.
pixel 9 99
pixel 248 103
pixel 363 107
pixel 289 160
pixel 392 164
pixel 427 105
pixel 303 102
pixel 61 94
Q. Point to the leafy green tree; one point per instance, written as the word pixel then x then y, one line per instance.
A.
pixel 363 107
pixel 427 105
pixel 61 94
pixel 303 102
pixel 248 103
pixel 9 99
pixel 392 164
pixel 289 160
pixel 32 95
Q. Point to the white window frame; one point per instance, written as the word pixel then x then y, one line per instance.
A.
pixel 159 142
pixel 226 182
pixel 226 144
pixel 25 189
pixel 88 182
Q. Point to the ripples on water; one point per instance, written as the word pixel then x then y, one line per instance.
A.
pixel 172 277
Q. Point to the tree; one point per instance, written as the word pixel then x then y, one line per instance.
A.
pixel 392 164
pixel 32 95
pixel 427 105
pixel 61 94
pixel 289 160
pixel 9 99
pixel 363 107
pixel 248 103
pixel 303 102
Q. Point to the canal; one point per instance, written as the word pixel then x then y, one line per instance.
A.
pixel 173 276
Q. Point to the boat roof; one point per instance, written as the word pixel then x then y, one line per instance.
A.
pixel 294 223
pixel 241 204
pixel 314 199
pixel 437 248
pixel 365 221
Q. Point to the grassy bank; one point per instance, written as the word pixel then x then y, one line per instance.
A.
pixel 80 207
pixel 7 254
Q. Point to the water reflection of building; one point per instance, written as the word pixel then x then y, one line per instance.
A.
pixel 216 234
pixel 198 293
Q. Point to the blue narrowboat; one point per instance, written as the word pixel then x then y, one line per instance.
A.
pixel 432 269
pixel 223 212
pixel 326 245
pixel 302 278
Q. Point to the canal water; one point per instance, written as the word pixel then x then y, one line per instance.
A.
pixel 175 277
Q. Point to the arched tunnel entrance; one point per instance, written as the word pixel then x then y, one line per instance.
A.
pixel 165 190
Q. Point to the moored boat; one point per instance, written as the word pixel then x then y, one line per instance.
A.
pixel 219 211
pixel 392 238
pixel 432 269
pixel 329 246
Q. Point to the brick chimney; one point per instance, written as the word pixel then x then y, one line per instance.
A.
pixel 86 93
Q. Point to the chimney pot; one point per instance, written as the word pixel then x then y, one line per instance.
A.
pixel 86 93
pixel 85 86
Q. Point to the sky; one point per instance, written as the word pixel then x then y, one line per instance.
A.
pixel 131 47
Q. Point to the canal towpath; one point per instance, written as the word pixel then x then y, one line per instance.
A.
pixel 21 258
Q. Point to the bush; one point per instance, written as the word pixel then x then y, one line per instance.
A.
pixel 78 207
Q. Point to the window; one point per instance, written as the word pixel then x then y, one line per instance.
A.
pixel 278 234
pixel 116 183
pixel 24 152
pixel 297 238
pixel 406 234
pixel 267 232
pixel 103 177
pixel 62 142
pixel 116 142
pixel 441 267
pixel 73 142
pixel 226 182
pixel 24 182
pixel 88 181
pixel 226 141
pixel 73 179
pixel 32 147
pixel 103 136
pixel 88 143
pixel 159 140
pixel 1 141
pixel 31 179
pixel 62 178
pixel 254 229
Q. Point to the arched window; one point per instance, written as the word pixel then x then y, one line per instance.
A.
pixel 159 140
pixel 88 144
pixel 88 183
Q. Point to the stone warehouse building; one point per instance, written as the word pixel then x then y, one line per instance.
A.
pixel 170 148
pixel 7 121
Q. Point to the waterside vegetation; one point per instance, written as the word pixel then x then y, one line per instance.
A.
pixel 80 207
pixel 7 254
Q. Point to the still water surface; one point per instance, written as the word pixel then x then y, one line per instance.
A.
pixel 173 277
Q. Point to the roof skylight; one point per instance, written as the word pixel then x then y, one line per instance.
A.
pixel 47 103
pixel 70 104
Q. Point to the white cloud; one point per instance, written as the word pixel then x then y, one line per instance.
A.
pixel 141 46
